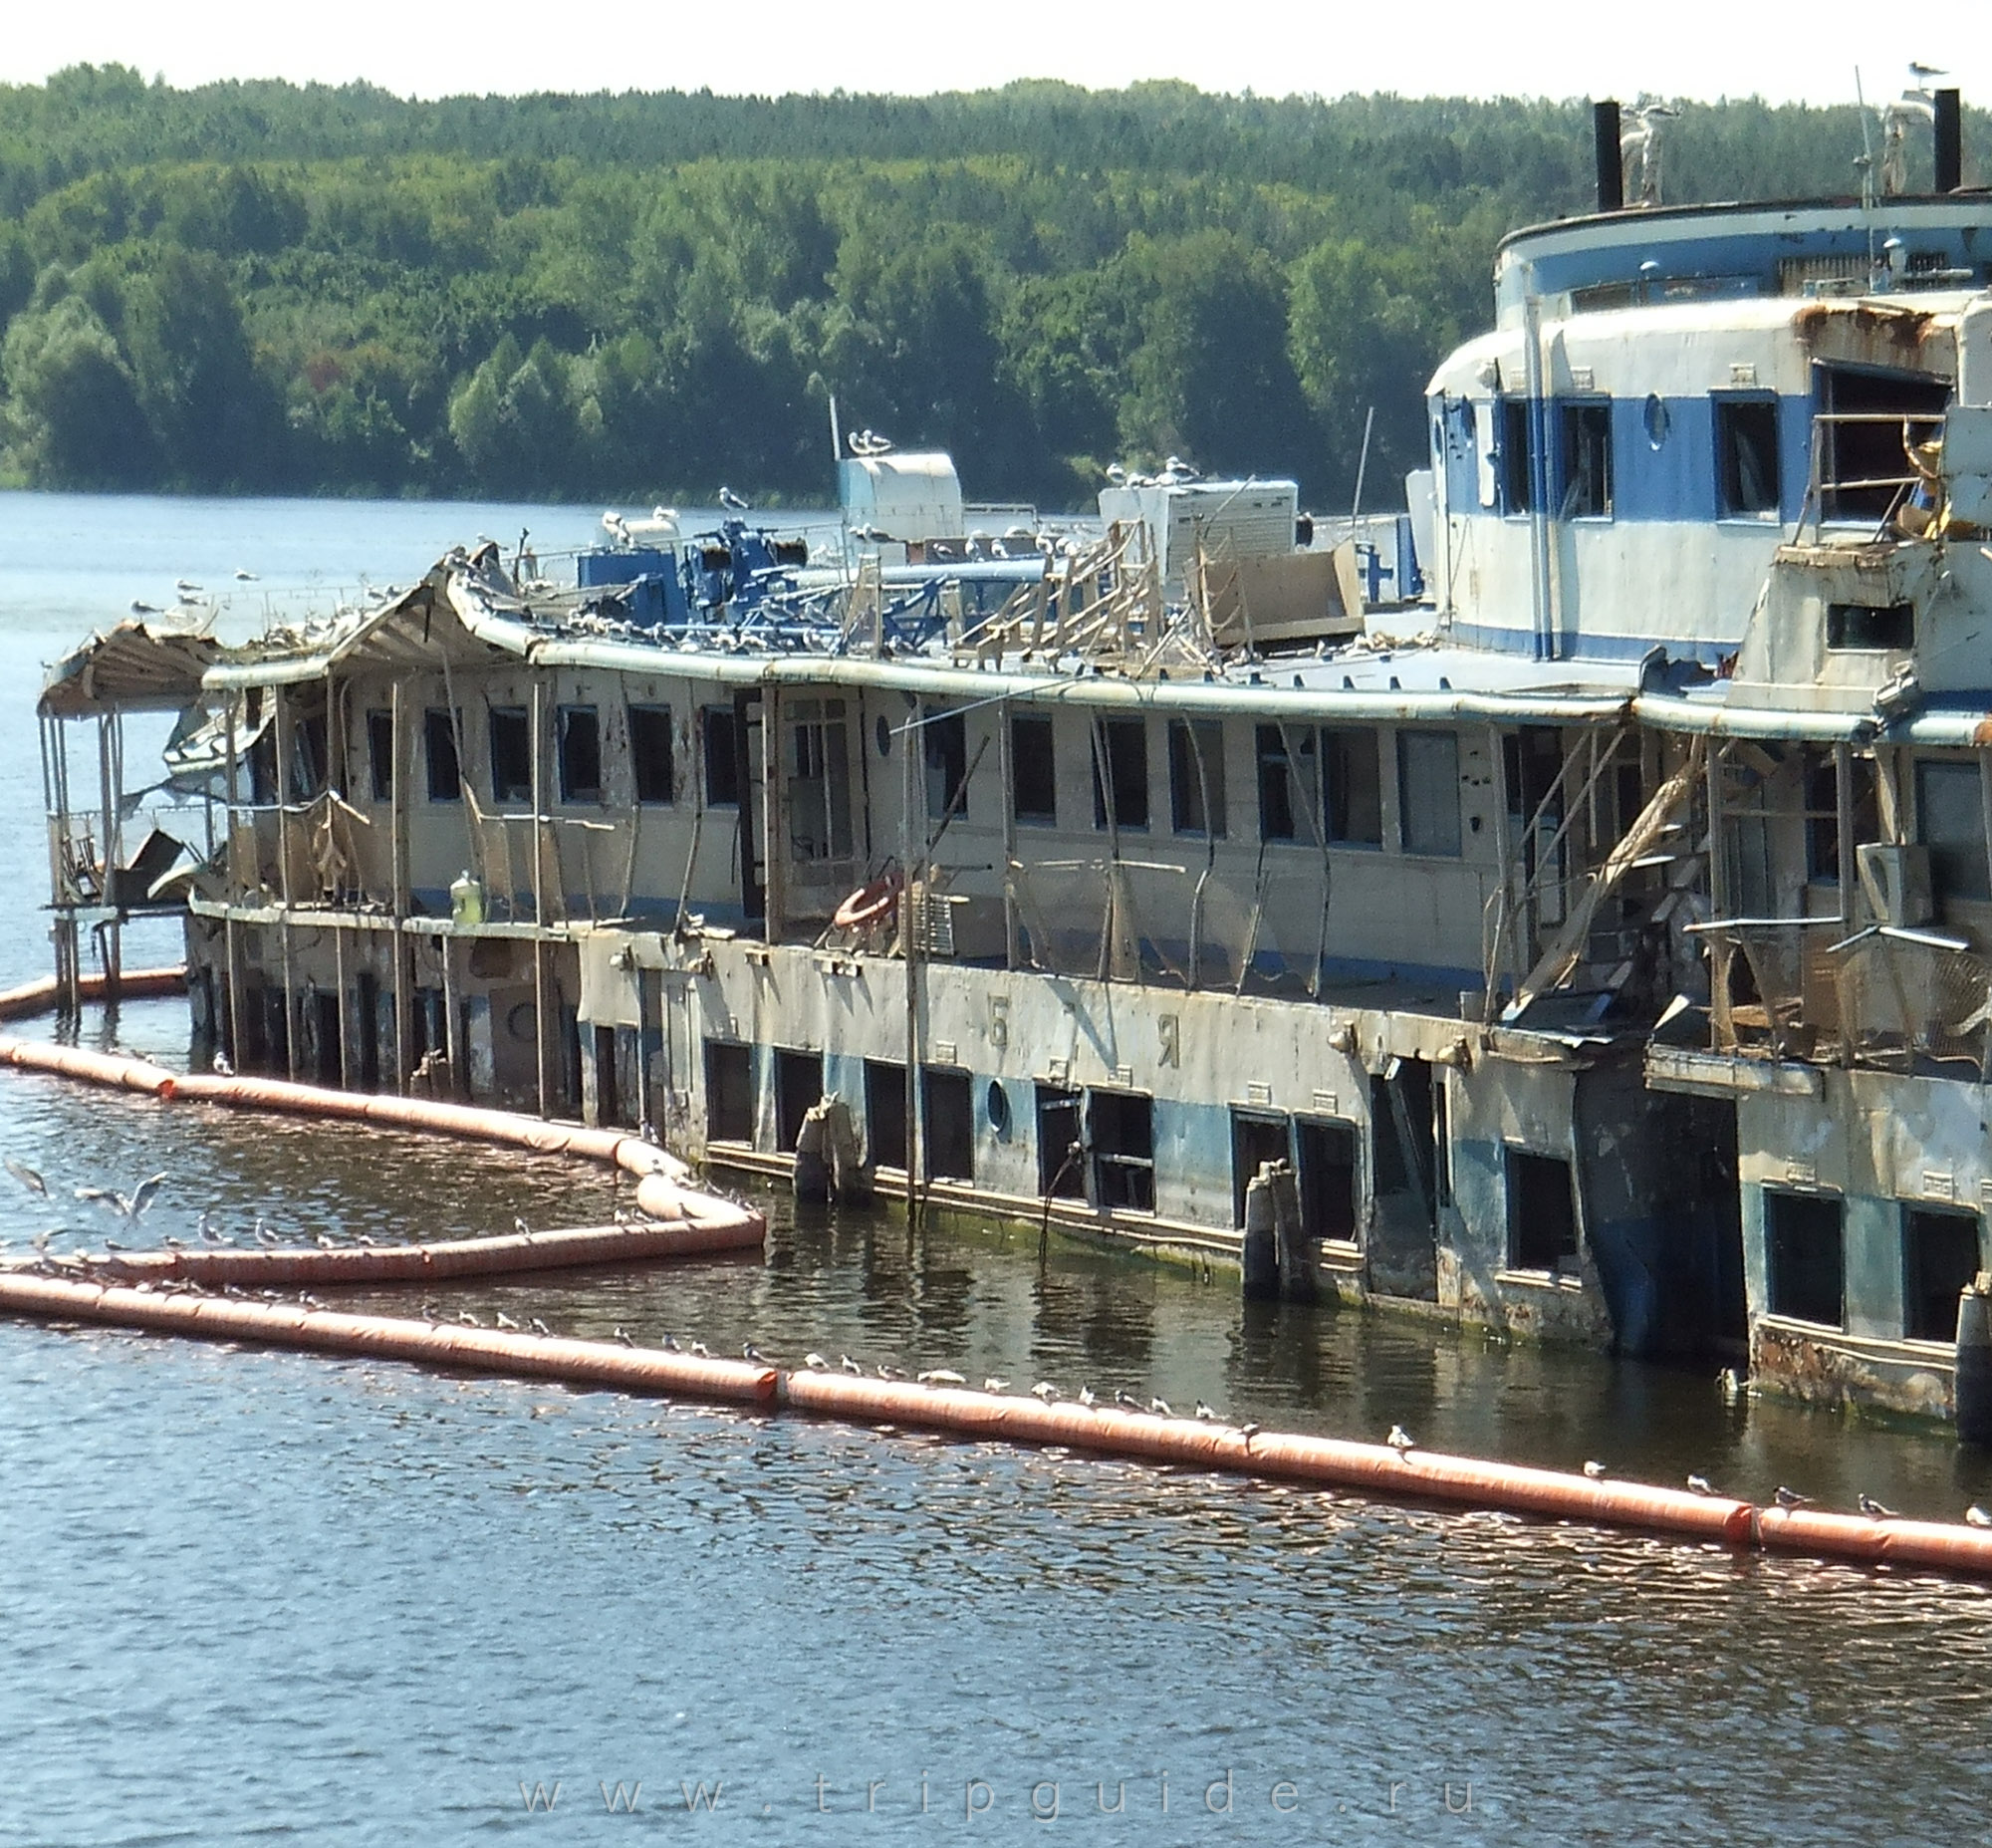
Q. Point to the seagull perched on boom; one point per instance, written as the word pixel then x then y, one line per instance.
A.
pixel 1401 1439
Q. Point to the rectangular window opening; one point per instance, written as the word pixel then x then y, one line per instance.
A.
pixel 1196 776
pixel 1542 1212
pixel 579 733
pixel 1746 457
pixel 1255 1140
pixel 1586 462
pixel 651 754
pixel 949 1123
pixel 729 1092
pixel 1121 1130
pixel 1517 461
pixel 1939 1258
pixel 1287 781
pixel 1330 1180
pixel 721 738
pixel 511 754
pixel 944 740
pixel 1121 772
pixel 1060 1147
pixel 381 756
pixel 1805 1253
pixel 440 728
pixel 797 1089
pixel 1428 792
pixel 885 1112
pixel 1033 770
pixel 1950 821
pixel 1350 762
pixel 1862 628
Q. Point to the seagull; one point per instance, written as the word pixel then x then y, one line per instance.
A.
pixel 244 577
pixel 1126 1400
pixel 733 502
pixel 208 1234
pixel 624 1335
pixel 1594 1471
pixel 323 1243
pixel 143 1194
pixel 1248 1432
pixel 186 587
pixel 1399 1440
pixel 112 1244
pixel 467 1320
pixel 1160 1408
pixel 994 1385
pixel 941 1376
pixel 886 1371
pixel 1088 1397
pixel 1975 1517
pixel 369 1240
pixel 754 1354
pixel 309 1300
pixel 538 1327
pixel 700 1351
pixel 849 1366
pixel 1874 1510
pixel 220 1066
pixel 521 1227
pixel 264 1235
pixel 1729 1386
pixel 1045 1391
pixel 1922 73
pixel 173 1244
pixel 671 1343
pixel 1701 1485
pixel 814 1362
pixel 505 1321
pixel 140 607
pixel 1790 1497
pixel 27 1176
pixel 1205 1413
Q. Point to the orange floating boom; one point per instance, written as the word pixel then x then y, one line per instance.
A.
pixel 1419 1476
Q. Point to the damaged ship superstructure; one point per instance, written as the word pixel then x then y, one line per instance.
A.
pixel 1600 943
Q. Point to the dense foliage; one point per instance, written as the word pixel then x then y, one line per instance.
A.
pixel 261 287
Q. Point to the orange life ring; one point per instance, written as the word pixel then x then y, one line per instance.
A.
pixel 868 903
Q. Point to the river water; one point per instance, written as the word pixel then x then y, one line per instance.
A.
pixel 266 1596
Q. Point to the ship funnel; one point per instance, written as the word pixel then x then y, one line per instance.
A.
pixel 1949 140
pixel 1610 168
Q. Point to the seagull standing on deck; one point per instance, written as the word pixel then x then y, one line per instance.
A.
pixel 732 502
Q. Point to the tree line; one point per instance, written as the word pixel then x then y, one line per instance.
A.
pixel 330 290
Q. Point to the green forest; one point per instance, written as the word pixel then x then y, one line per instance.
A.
pixel 257 287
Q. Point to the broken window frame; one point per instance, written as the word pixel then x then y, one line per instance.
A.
pixel 1749 469
pixel 1584 429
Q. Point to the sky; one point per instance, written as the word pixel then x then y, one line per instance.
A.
pixel 1556 48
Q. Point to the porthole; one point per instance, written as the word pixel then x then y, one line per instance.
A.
pixel 999 1109
pixel 1659 420
pixel 884 733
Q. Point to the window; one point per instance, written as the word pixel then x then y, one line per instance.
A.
pixel 1950 821
pixel 1123 1134
pixel 798 1090
pixel 722 726
pixel 1429 791
pixel 652 764
pixel 949 1123
pixel 818 796
pixel 1033 770
pixel 263 766
pixel 440 743
pixel 1330 1180
pixel 579 733
pixel 1348 759
pixel 729 1092
pixel 1286 782
pixel 1196 776
pixel 1746 457
pixel 885 1112
pixel 1586 462
pixel 511 754
pixel 1060 1148
pixel 1542 1212
pixel 1822 813
pixel 1806 1257
pixel 381 754
pixel 1255 1140
pixel 1870 628
pixel 1939 1258
pixel 308 756
pixel 944 739
pixel 1121 772
pixel 1517 462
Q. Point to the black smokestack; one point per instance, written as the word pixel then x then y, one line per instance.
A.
pixel 1949 140
pixel 1610 170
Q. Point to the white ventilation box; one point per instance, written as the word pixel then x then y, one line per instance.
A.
pixel 1230 519
pixel 1897 880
